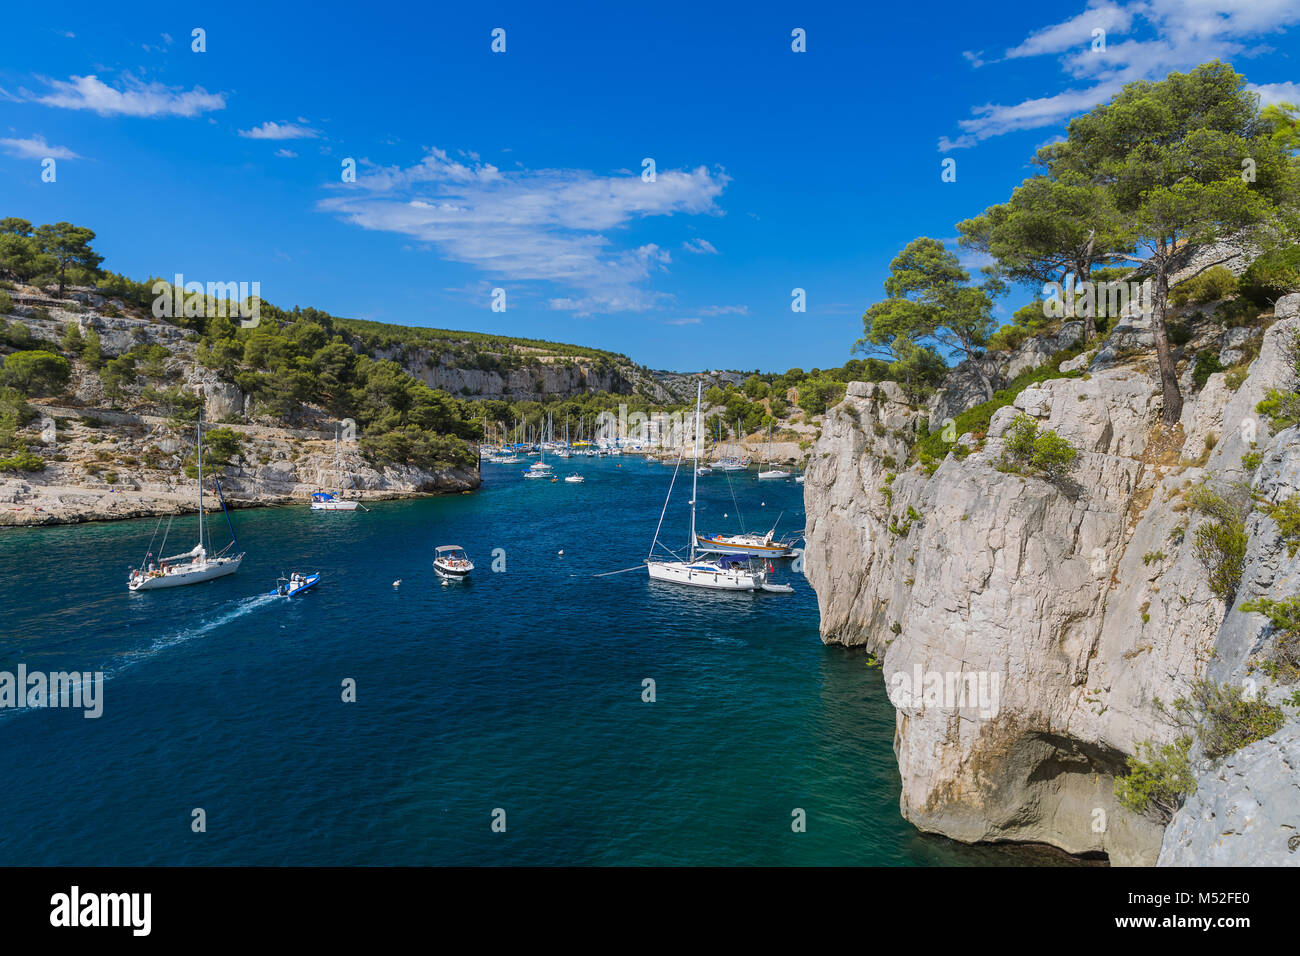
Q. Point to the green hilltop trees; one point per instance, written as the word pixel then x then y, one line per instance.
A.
pixel 47 254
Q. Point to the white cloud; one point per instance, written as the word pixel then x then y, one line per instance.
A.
pixel 1077 31
pixel 286 154
pixel 272 130
pixel 136 99
pixel 974 57
pixel 700 247
pixel 724 310
pixel 36 148
pixel 993 119
pixel 683 321
pixel 1157 37
pixel 1277 93
pixel 545 225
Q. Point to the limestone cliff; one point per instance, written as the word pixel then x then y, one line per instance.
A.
pixel 1081 605
pixel 103 462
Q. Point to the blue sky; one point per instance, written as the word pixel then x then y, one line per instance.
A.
pixel 522 170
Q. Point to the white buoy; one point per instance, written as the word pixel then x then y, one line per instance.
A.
pixel 444 582
pixel 397 582
pixel 561 552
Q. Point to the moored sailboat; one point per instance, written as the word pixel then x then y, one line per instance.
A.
pixel 195 565
pixel 725 573
pixel 328 500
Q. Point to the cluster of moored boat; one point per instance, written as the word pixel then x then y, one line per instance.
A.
pixel 732 562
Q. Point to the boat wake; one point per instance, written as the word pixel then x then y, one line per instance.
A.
pixel 237 610
pixel 129 659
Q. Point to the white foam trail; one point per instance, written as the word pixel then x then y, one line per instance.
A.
pixel 241 607
pixel 130 659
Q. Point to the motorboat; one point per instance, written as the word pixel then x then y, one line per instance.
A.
pixel 295 583
pixel 451 563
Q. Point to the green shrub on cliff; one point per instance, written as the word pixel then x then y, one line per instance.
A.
pixel 1028 447
pixel 1220 543
pixel 1226 718
pixel 933 446
pixel 1283 663
pixel 36 372
pixel 221 446
pixel 1207 363
pixel 1210 286
pixel 1286 515
pixel 1158 778
pixel 1272 275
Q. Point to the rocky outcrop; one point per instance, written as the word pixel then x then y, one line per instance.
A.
pixel 969 382
pixel 1028 630
pixel 104 463
pixel 1243 812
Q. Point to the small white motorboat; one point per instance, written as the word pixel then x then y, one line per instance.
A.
pixel 575 479
pixel 451 563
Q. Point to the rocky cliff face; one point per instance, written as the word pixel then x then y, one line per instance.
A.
pixel 102 463
pixel 1029 630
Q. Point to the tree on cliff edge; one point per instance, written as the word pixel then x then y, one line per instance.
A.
pixel 1184 162
pixel 930 297
pixel 1045 232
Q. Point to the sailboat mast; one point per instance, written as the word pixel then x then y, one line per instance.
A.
pixel 198 436
pixel 695 468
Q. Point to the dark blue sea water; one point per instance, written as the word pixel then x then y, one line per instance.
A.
pixel 519 690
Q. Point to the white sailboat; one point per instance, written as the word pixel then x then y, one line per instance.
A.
pixel 539 468
pixel 327 500
pixel 726 573
pixel 194 565
pixel 773 472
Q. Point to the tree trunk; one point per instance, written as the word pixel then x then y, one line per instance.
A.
pixel 1085 270
pixel 1173 397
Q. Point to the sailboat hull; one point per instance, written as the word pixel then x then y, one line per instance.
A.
pixel 192 573
pixel 333 506
pixel 755 546
pixel 702 575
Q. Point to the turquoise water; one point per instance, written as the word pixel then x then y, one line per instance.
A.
pixel 518 690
